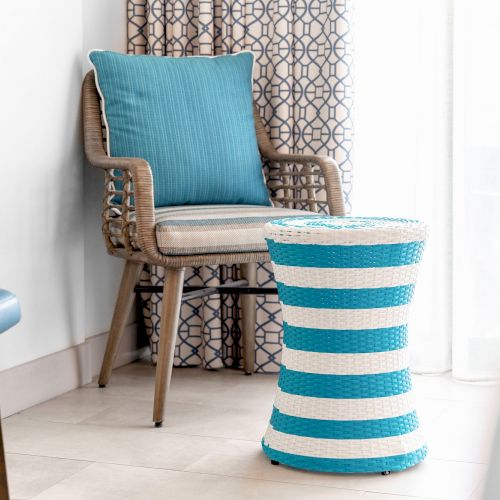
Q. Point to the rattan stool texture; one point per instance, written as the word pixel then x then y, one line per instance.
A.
pixel 344 400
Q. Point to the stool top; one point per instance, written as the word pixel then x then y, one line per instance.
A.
pixel 329 230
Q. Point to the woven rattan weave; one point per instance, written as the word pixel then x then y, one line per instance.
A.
pixel 344 402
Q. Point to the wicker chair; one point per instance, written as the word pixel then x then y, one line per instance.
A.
pixel 295 181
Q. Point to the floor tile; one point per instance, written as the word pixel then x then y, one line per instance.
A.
pixel 223 387
pixel 211 443
pixel 114 482
pixel 75 406
pixel 429 410
pixel 478 493
pixel 384 496
pixel 30 475
pixel 445 387
pixel 431 479
pixel 463 432
pixel 198 419
pixel 145 446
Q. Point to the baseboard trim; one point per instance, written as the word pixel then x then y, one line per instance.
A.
pixel 45 378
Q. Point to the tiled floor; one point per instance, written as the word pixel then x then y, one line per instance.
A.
pixel 100 444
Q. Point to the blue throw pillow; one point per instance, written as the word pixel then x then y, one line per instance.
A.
pixel 191 118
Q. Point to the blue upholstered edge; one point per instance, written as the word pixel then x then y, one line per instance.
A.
pixel 10 312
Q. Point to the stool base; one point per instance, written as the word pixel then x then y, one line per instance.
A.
pixel 382 465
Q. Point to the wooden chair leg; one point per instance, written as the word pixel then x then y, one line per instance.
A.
pixel 124 302
pixel 249 313
pixel 4 489
pixel 170 310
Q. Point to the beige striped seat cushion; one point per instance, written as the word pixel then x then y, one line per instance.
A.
pixel 200 229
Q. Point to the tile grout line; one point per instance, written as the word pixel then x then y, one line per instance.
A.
pixel 182 471
pixel 216 437
pixel 58 482
pixel 406 495
pixel 216 474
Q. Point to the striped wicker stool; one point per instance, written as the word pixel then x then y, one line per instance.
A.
pixel 344 399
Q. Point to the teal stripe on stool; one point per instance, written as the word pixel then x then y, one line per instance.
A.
pixel 345 341
pixel 349 298
pixel 317 385
pixel 344 429
pixel 345 256
pixel 347 465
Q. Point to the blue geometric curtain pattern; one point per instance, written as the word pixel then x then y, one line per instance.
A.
pixel 303 87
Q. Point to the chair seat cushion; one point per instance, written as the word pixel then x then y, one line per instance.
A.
pixel 191 118
pixel 216 229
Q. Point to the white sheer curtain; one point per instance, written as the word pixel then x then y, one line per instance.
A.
pixel 476 187
pixel 427 145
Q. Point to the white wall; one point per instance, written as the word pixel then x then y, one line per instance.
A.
pixel 104 27
pixel 41 176
pixel 52 252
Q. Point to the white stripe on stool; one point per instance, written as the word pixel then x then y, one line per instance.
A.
pixel 345 237
pixel 344 409
pixel 345 364
pixel 345 319
pixel 343 448
pixel 348 278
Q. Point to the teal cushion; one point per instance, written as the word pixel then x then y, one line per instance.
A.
pixel 191 118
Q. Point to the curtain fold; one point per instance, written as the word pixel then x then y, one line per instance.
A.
pixel 403 143
pixel 433 116
pixel 303 87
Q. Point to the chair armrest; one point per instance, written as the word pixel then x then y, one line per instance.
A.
pixel 135 202
pixel 135 196
pixel 311 166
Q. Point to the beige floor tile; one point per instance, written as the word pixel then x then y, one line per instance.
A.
pixel 76 406
pixel 211 442
pixel 435 479
pixel 227 388
pixel 140 368
pixel 384 496
pixel 127 386
pixel 30 475
pixel 445 387
pixel 129 412
pixel 463 432
pixel 192 385
pixel 145 446
pixel 190 419
pixel 113 482
pixel 478 493
pixel 429 410
pixel 431 479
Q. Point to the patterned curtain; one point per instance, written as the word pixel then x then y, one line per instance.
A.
pixel 303 87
